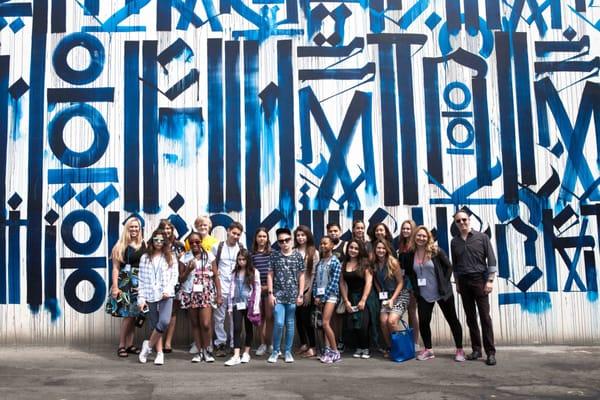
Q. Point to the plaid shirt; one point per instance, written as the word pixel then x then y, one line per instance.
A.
pixel 155 278
pixel 332 268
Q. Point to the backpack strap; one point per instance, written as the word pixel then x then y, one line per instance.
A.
pixel 219 251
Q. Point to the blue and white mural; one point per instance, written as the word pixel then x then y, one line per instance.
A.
pixel 281 112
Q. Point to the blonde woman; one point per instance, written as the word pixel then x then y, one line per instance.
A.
pixel 429 270
pixel 126 256
pixel 393 294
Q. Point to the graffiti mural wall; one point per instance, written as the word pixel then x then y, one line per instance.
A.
pixel 281 112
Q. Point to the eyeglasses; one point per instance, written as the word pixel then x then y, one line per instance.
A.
pixel 158 240
pixel 282 241
pixel 462 220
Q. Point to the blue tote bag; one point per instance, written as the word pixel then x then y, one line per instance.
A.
pixel 403 347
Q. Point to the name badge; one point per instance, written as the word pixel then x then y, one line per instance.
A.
pixel 240 306
pixel 422 282
pixel 320 291
pixel 127 267
pixel 198 287
pixel 383 295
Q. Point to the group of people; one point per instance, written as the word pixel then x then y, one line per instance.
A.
pixel 334 293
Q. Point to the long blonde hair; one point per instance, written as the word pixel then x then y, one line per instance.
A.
pixel 392 264
pixel 125 240
pixel 431 249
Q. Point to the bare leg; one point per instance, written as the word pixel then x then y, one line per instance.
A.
pixel 383 320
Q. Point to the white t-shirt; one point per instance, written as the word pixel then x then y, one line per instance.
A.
pixel 226 264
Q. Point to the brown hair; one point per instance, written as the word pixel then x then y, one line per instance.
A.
pixel 310 246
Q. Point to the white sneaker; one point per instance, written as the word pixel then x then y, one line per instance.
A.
pixel 194 349
pixel 197 358
pixel 273 357
pixel 288 357
pixel 160 358
pixel 145 352
pixel 365 354
pixel 358 353
pixel 235 360
pixel 208 357
pixel 245 358
pixel 262 349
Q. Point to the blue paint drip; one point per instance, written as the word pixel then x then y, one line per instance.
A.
pixel 492 14
pixel 532 302
pixel 253 133
pixel 14 258
pixel 417 215
pixel 368 151
pixel 185 127
pixel 287 167
pixel 4 76
pixel 432 120
pixel 216 152
pixel 267 139
pixel 233 153
pixel 150 127
pixel 51 303
pixel 178 50
pixel 472 16
pixel 112 238
pixel 131 151
pixel 453 16
pixel 35 195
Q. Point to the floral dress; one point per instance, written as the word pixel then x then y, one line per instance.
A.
pixel 198 291
pixel 126 304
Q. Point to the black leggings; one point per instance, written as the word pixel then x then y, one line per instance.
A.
pixel 239 318
pixel 306 333
pixel 449 311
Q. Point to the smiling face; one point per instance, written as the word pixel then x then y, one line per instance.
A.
pixel 195 244
pixel 380 232
pixel 380 251
pixel 406 230
pixel 203 226
pixel 462 221
pixel 134 230
pixel 300 238
pixel 358 231
pixel 326 246
pixel 168 230
pixel 334 232
pixel 158 241
pixel 421 238
pixel 233 236
pixel 353 250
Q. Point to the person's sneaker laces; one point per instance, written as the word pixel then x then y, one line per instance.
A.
pixel 235 360
pixel 160 358
pixel 365 355
pixel 273 357
pixel 460 355
pixel 262 349
pixel 208 356
pixel 425 354
pixel 245 358
pixel 145 352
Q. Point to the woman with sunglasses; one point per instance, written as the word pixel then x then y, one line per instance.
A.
pixel 407 228
pixel 126 255
pixel 429 270
pixel 390 285
pixel 261 251
pixel 158 275
pixel 304 243
pixel 200 290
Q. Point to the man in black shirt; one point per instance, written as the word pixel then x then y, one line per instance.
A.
pixel 474 270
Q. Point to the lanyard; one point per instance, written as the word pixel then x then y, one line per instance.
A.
pixel 156 270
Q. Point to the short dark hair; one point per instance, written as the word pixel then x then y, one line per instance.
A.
pixel 234 225
pixel 281 231
pixel 332 224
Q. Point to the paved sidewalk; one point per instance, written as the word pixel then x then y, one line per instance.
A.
pixel 97 373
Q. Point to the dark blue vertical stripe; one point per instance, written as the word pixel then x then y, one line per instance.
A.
pixel 492 14
pixel 163 15
pixel 376 15
pixel 417 215
pixel 507 117
pixel 482 131
pixel 408 136
pixel 472 16
pixel 14 258
pixel 253 131
pixel 92 7
pixel 4 76
pixel 501 244
pixel 333 216
pixel 35 153
pixel 233 153
pixel 432 120
pixel 453 16
pixel 580 5
pixel 113 237
pixel 215 125
pixel 58 16
pixel 358 215
pixel 131 150
pixel 150 126
pixel 441 222
pixel 391 196
pixel 591 276
pixel 318 224
pixel 526 135
pixel 549 253
pixel 50 263
pixel 287 159
pixel 304 218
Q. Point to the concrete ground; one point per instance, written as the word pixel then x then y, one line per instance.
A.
pixel 96 373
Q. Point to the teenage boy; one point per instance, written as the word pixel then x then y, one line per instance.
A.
pixel 225 256
pixel 285 283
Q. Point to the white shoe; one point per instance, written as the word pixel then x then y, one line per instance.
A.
pixel 273 357
pixel 208 357
pixel 365 354
pixel 160 358
pixel 262 349
pixel 145 352
pixel 194 349
pixel 197 358
pixel 358 353
pixel 245 358
pixel 235 360
pixel 288 357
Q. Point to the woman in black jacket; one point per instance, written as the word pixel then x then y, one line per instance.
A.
pixel 429 271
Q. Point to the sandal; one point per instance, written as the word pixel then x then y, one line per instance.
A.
pixel 310 353
pixel 303 349
pixel 132 350
pixel 122 352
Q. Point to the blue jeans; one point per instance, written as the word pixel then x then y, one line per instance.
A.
pixel 283 313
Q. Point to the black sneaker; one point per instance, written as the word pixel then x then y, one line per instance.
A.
pixel 491 359
pixel 220 350
pixel 473 356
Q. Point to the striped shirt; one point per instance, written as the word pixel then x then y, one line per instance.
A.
pixel 261 263
pixel 155 278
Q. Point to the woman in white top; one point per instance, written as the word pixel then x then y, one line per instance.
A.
pixel 158 276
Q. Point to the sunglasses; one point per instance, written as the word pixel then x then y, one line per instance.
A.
pixel 158 240
pixel 282 241
pixel 461 220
